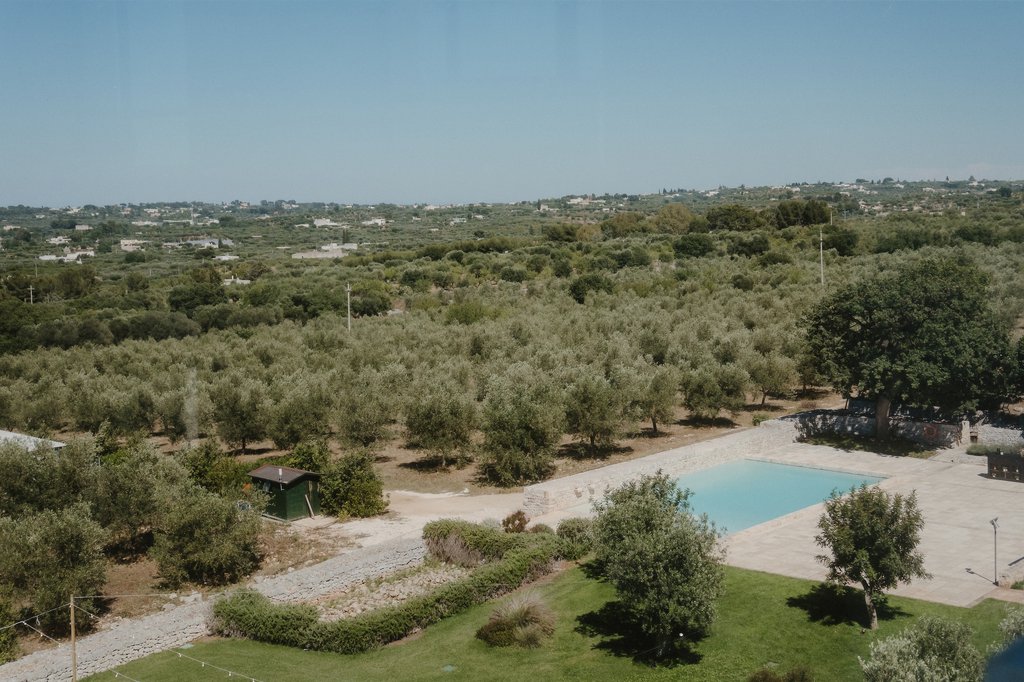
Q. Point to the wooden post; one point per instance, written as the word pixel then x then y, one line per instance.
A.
pixel 74 652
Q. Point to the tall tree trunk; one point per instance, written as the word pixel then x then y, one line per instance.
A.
pixel 654 425
pixel 869 602
pixel 882 404
pixel 764 396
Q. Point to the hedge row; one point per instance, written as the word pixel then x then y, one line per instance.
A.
pixel 491 543
pixel 525 557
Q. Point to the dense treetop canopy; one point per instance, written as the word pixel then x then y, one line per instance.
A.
pixel 924 333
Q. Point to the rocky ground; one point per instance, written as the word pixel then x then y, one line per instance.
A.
pixel 389 591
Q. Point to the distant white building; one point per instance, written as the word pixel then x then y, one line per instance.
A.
pixel 58 241
pixel 235 280
pixel 375 222
pixel 83 228
pixel 323 222
pixel 226 256
pixel 132 244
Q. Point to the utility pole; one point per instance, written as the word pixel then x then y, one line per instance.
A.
pixel 995 551
pixel 31 298
pixel 821 253
pixel 74 652
pixel 348 304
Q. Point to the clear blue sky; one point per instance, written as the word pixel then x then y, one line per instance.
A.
pixel 106 102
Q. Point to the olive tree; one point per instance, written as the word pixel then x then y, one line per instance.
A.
pixel 665 562
pixel 523 418
pixel 239 410
pixel 60 554
pixel 206 539
pixel 872 539
pixel 441 418
pixel 594 409
pixel 654 396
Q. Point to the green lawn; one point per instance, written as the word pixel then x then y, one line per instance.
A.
pixel 763 620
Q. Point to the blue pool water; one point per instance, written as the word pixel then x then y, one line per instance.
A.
pixel 744 492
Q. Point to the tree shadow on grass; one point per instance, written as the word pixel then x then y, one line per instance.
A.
pixel 610 623
pixel 841 605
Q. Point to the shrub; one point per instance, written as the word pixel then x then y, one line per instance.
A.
pixel 759 417
pixel 488 543
pixel 575 538
pixel 214 470
pixel 452 549
pixel 983 449
pixel 515 522
pixel 206 539
pixel 1012 626
pixel 932 649
pixel 523 620
pixel 350 486
pixel 542 528
pixel 247 613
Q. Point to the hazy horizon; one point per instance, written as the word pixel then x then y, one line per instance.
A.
pixel 463 102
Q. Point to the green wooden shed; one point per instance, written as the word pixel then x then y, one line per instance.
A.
pixel 294 493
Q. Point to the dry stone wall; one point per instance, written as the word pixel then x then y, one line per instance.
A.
pixel 129 640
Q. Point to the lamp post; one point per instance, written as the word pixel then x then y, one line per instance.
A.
pixel 995 549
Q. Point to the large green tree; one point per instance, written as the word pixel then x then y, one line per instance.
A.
pixel 665 562
pixel 872 539
pixel 923 334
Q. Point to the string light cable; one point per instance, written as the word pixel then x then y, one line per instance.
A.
pixel 207 664
pixel 34 616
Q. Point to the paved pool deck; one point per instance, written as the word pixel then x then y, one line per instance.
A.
pixel 957 501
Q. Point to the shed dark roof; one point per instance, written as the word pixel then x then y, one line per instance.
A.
pixel 276 474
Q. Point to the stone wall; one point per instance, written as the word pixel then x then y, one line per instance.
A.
pixel 129 640
pixel 583 488
pixel 822 422
pixel 995 435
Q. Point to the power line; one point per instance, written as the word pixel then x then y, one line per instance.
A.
pixel 231 673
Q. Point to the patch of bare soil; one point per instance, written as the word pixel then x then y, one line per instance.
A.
pixel 286 546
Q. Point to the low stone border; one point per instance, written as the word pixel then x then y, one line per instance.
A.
pixel 129 640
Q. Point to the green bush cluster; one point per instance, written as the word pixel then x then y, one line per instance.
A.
pixel 490 543
pixel 251 615
pixel 575 538
pixel 350 486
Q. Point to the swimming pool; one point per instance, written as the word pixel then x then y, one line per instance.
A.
pixel 745 492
